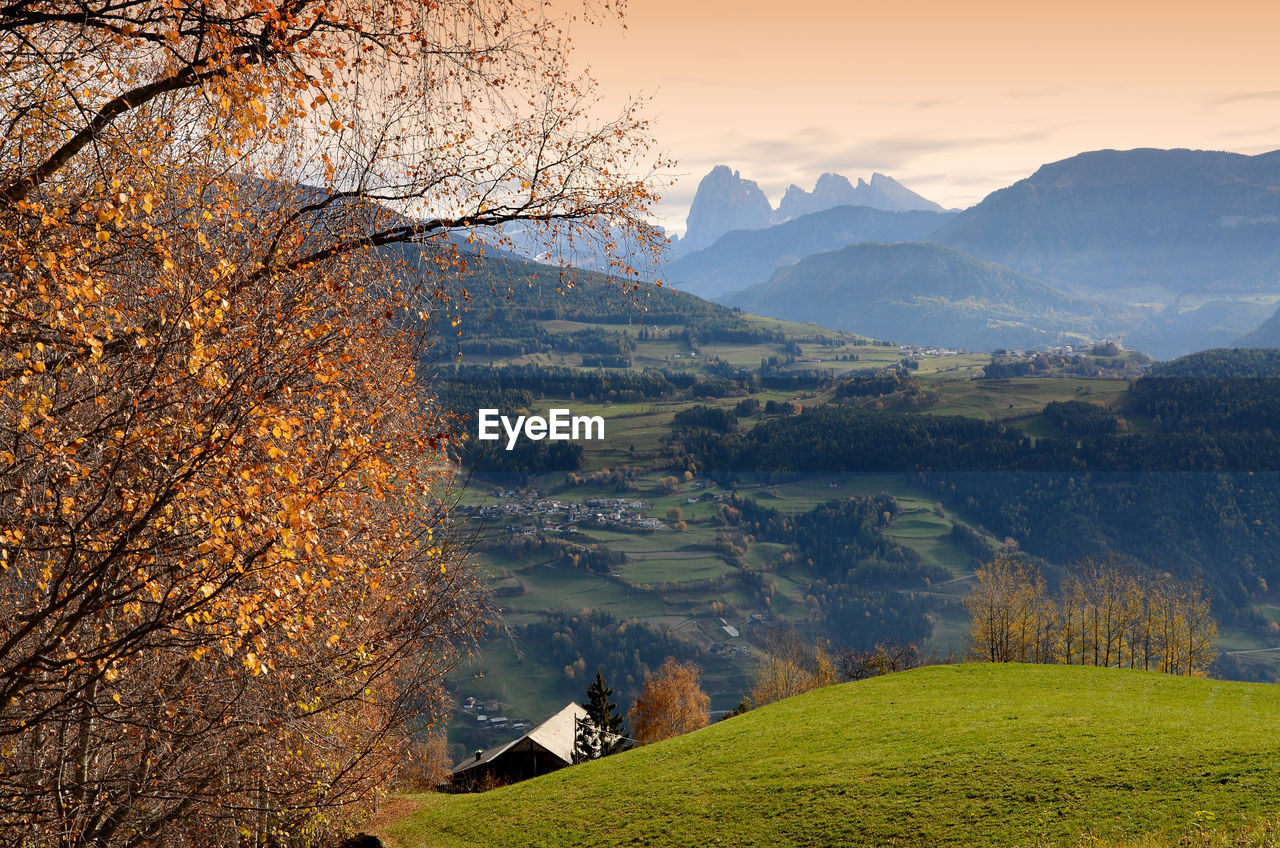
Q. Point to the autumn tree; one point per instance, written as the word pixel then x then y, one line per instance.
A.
pixel 886 658
pixel 672 703
pixel 1011 618
pixel 227 578
pixel 791 666
pixel 1104 613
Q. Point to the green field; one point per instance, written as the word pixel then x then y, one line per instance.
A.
pixel 947 755
pixel 998 400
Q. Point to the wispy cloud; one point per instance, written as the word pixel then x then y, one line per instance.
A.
pixel 1270 130
pixel 1242 97
pixel 769 160
pixel 1039 93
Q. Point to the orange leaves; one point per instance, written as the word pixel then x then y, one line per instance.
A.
pixel 672 703
pixel 213 446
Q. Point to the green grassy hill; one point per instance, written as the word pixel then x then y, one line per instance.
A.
pixel 945 755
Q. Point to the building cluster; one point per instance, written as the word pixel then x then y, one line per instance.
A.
pixel 917 351
pixel 552 515
pixel 489 714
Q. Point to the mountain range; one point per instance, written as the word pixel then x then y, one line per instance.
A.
pixel 834 190
pixel 1182 246
pixel 742 257
pixel 1265 335
pixel 726 201
pixel 1135 223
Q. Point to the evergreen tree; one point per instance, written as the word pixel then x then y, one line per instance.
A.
pixel 600 733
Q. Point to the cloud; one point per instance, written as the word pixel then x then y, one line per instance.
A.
pixel 1040 93
pixel 985 180
pixel 925 105
pixel 1270 131
pixel 1242 97
pixel 776 162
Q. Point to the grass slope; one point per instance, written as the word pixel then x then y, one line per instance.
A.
pixel 946 755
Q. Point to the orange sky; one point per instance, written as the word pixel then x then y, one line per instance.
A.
pixel 954 99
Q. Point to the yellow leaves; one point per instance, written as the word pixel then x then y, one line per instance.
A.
pixel 254 664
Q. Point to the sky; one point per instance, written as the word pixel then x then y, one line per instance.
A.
pixel 953 99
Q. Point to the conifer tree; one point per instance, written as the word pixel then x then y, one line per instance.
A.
pixel 600 734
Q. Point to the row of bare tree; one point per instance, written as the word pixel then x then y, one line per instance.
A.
pixel 1103 614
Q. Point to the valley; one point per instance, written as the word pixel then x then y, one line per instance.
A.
pixel 623 555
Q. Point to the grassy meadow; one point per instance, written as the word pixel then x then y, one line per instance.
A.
pixel 944 755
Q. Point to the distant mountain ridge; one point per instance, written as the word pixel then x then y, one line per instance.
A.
pixel 831 190
pixel 726 201
pixel 743 257
pixel 1111 221
pixel 926 294
pixel 1266 335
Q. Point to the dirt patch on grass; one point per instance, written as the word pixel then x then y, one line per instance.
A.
pixel 392 809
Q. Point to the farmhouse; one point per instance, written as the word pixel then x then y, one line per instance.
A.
pixel 546 748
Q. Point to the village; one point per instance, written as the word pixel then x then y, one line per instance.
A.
pixel 553 515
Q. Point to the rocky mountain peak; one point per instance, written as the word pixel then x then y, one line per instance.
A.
pixel 724 201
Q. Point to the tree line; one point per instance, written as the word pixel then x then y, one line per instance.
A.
pixel 860 582
pixel 1102 614
pixel 1165 496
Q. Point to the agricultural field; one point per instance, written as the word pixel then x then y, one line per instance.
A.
pixel 687 576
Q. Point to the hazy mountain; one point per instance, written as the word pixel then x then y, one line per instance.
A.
pixel 724 201
pixel 926 294
pixel 1168 221
pixel 1267 335
pixel 741 258
pixel 595 246
pixel 832 190
pixel 1174 332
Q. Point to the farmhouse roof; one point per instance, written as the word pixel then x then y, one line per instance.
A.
pixel 556 736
